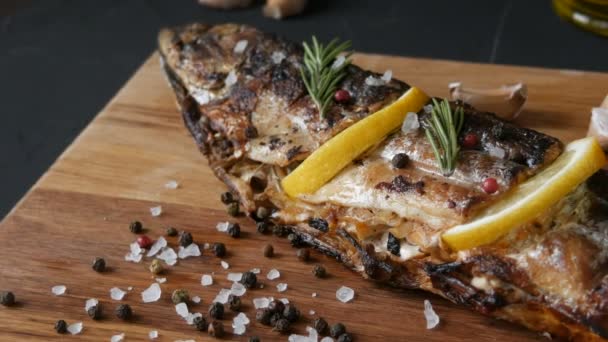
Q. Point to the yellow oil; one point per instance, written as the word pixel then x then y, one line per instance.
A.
pixel 591 15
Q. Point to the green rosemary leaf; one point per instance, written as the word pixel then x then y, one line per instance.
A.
pixel 442 130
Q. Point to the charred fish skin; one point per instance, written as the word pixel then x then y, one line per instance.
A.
pixel 249 114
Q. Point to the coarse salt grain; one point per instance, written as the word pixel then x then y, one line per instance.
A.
pixel 297 338
pixel 161 280
pixel 75 328
pixel 241 318
pixel 234 276
pixel 157 246
pixel 428 109
pixel 373 81
pixel 222 226
pixel 117 294
pixel 171 262
pixel 239 329
pixel 134 258
pixel 281 287
pixel 429 314
pixel 410 123
pixel 277 57
pixel 192 316
pixel 338 62
pixel 118 338
pixel 313 335
pixel 196 299
pixel 90 303
pixel 327 339
pixel 284 300
pixel 151 294
pixel 130 288
pixel 273 274
pixel 225 265
pixel 238 289
pixel 314 294
pixel 206 280
pixel 260 303
pixel 156 211
pixel 387 76
pixel 153 334
pixel 255 270
pixel 222 296
pixel 230 79
pixel 182 309
pixel 58 290
pixel 191 251
pixel 345 294
pixel 312 312
pixel 167 254
pixel 240 46
pixel 171 185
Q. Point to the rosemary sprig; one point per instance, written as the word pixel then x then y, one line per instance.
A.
pixel 442 131
pixel 320 76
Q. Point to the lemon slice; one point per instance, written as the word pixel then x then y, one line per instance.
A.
pixel 579 161
pixel 335 154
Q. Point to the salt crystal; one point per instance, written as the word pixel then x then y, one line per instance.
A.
pixel 240 46
pixel 153 334
pixel 235 276
pixel 134 258
pixel 156 211
pixel 238 289
pixel 373 81
pixel 281 287
pixel 312 312
pixel 118 338
pixel 273 274
pixel 284 300
pixel 171 185
pixel 313 335
pixel 222 226
pixel 151 294
pixel 428 109
pixel 196 299
pixel 90 303
pixel 255 270
pixel 239 329
pixel 338 62
pixel 222 296
pixel 167 254
pixel 171 262
pixel 207 245
pixel 230 79
pixel 182 309
pixel 314 294
pixel 185 341
pixel 58 290
pixel 192 316
pixel 240 319
pixel 190 251
pixel 496 151
pixel 161 280
pixel 130 288
pixel 117 294
pixel 206 280
pixel 345 294
pixel 75 328
pixel 261 286
pixel 429 314
pixel 547 335
pixel 277 57
pixel 327 339
pixel 411 123
pixel 387 76
pixel 135 249
pixel 260 303
pixel 157 246
pixel 297 338
pixel 225 265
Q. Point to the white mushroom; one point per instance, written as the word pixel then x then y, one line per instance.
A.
pixel 279 9
pixel 506 101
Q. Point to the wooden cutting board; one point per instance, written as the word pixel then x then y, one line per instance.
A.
pixel 116 170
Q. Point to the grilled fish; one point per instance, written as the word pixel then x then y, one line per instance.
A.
pixel 242 98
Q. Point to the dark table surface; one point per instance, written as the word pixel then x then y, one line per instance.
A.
pixel 61 61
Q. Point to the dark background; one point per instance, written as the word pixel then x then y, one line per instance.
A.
pixel 61 61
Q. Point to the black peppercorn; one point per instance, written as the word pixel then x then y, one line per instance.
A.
pixel 393 245
pixel 234 230
pixel 263 227
pixel 279 230
pixel 400 160
pixel 249 279
pixel 136 227
pixel 185 239
pixel 336 330
pixel 268 251
pixel 263 316
pixel 319 271
pixel 303 254
pixel 99 264
pixel 276 306
pixel 171 231
pixel 254 339
pixel 274 318
pixel 346 337
pixel 294 240
pixel 7 298
pixel 282 326
pixel 291 313
pixel 233 209
pixel 200 323
pixel 180 296
pixel 94 312
pixel 216 329
pixel 219 249
pixel 124 312
pixel 216 310
pixel 227 198
pixel 234 303
pixel 257 184
pixel 61 327
pixel 262 213
pixel 320 325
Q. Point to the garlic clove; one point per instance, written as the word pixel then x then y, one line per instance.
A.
pixel 279 9
pixel 598 124
pixel 506 101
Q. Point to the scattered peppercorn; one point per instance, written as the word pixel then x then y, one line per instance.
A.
pixel 233 209
pixel 294 240
pixel 144 242
pixel 276 306
pixel 171 231
pixel 268 251
pixel 257 184
pixel 254 339
pixel 336 330
pixel 136 227
pixel 200 323
pixel 274 318
pixel 234 230
pixel 219 249
pixel 156 267
pixel 393 245
pixel 400 160
pixel 320 325
pixel 262 213
pixel 216 310
pixel 216 329
pixel 185 239
pixel 249 279
pixel 124 312
pixel 346 337
pixel 303 254
pixel 319 271
pixel 490 185
pixel 282 326
pixel 99 264
pixel 61 327
pixel 263 316
pixel 234 303
pixel 470 140
pixel 94 312
pixel 263 227
pixel 7 298
pixel 291 313
pixel 180 296
pixel 226 197
pixel 279 230
pixel 342 96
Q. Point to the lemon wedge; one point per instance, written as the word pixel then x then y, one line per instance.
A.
pixel 336 153
pixel 580 159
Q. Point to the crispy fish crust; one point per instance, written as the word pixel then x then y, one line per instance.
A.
pixel 242 98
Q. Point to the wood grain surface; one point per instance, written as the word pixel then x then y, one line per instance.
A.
pixel 116 170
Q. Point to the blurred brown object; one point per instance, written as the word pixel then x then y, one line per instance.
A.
pixel 279 9
pixel 605 103
pixel 226 4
